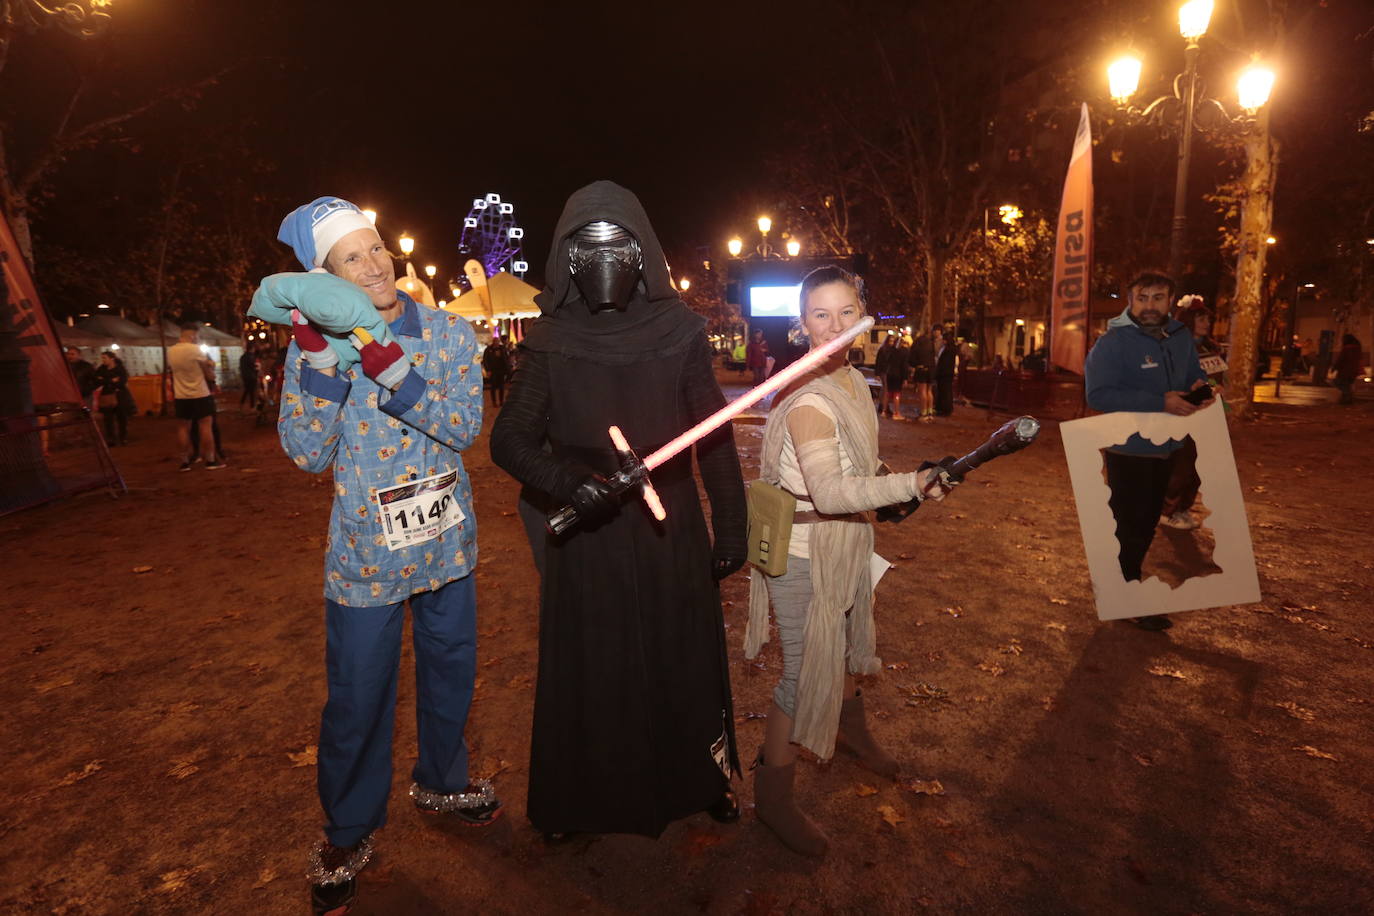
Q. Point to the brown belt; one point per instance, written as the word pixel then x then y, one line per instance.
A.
pixel 811 516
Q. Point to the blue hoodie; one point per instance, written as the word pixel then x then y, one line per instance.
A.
pixel 1128 369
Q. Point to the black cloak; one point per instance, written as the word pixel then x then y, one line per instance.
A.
pixel 633 724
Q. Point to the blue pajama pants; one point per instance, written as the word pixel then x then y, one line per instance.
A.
pixel 362 658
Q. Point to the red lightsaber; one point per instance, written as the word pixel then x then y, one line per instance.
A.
pixel 634 472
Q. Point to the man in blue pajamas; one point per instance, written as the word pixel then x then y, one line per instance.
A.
pixel 390 429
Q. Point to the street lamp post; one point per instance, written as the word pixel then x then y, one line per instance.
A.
pixel 407 245
pixel 1253 90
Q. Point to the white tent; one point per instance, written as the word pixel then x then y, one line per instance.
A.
pixel 138 347
pixel 224 350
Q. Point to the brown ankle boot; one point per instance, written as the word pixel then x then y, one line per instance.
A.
pixel 774 805
pixel 854 737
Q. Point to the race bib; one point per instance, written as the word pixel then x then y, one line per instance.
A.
pixel 1212 365
pixel 419 510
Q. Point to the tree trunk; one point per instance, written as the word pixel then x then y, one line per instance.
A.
pixel 1256 217
pixel 934 308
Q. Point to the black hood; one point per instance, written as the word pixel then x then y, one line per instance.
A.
pixel 655 323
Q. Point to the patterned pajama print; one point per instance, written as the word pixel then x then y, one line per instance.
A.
pixel 371 439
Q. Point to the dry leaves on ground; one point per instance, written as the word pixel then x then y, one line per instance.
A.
pixel 1059 601
pixel 1144 760
pixel 1161 671
pixel 142 569
pixel 178 879
pixel 863 790
pixel 957 858
pixel 76 776
pixel 992 668
pixel 955 611
pixel 890 815
pixel 922 691
pixel 1311 751
pixel 185 766
pixel 1055 625
pixel 1012 648
pixel 307 756
pixel 1296 711
pixel 925 786
pixel 265 877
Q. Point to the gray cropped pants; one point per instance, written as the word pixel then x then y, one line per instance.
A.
pixel 790 595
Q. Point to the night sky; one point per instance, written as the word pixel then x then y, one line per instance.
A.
pixel 414 108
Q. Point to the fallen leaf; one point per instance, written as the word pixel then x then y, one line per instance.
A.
pixel 1014 648
pixel 956 858
pixel 1144 760
pixel 925 786
pixel 1296 711
pixel 898 666
pixel 265 877
pixel 923 691
pixel 182 768
pixel 306 757
pixel 143 569
pixel 955 611
pixel 55 684
pixel 176 880
pixel 992 668
pixel 1059 601
pixel 76 776
pixel 863 790
pixel 1052 625
pixel 1311 751
pixel 1047 703
pixel 943 823
pixel 905 556
pixel 890 815
pixel 1161 671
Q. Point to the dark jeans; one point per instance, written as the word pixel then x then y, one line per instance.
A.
pixel 115 416
pixel 250 391
pixel 1137 484
pixel 498 391
pixel 1184 481
pixel 362 658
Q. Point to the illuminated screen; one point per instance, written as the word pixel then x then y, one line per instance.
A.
pixel 774 301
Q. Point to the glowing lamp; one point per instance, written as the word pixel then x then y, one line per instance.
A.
pixel 735 246
pixel 1009 214
pixel 684 284
pixel 371 216
pixel 1254 87
pixel 1271 241
pixel 1020 322
pixel 115 346
pixel 430 271
pixel 407 244
pixel 1123 76
pixel 1193 19
pixel 793 248
pixel 765 225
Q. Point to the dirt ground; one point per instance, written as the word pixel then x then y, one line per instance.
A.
pixel 163 662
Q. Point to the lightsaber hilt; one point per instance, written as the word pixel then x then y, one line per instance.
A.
pixel 1010 437
pixel 633 474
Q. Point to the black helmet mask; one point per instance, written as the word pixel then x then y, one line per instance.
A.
pixel 606 263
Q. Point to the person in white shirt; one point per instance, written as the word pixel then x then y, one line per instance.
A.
pixel 192 398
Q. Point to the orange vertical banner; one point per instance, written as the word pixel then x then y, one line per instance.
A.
pixel 1073 256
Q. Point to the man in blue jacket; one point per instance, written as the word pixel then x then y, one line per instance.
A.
pixel 1145 363
pixel 390 430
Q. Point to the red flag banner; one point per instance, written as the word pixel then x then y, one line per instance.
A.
pixel 49 377
pixel 1073 256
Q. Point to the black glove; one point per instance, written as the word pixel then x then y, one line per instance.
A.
pixel 594 500
pixel 724 566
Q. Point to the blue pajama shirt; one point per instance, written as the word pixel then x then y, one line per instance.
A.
pixel 370 439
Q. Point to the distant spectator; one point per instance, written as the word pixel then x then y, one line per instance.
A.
pixel 497 367
pixel 112 381
pixel 1348 365
pixel 945 351
pixel 84 373
pixel 248 373
pixel 923 373
pixel 756 357
pixel 195 405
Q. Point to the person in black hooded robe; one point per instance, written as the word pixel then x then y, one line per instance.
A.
pixel 633 725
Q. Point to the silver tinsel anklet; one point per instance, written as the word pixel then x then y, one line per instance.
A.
pixel 357 859
pixel 449 802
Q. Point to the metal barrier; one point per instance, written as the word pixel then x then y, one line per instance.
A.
pixel 50 454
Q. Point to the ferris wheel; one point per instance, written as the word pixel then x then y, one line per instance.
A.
pixel 492 237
